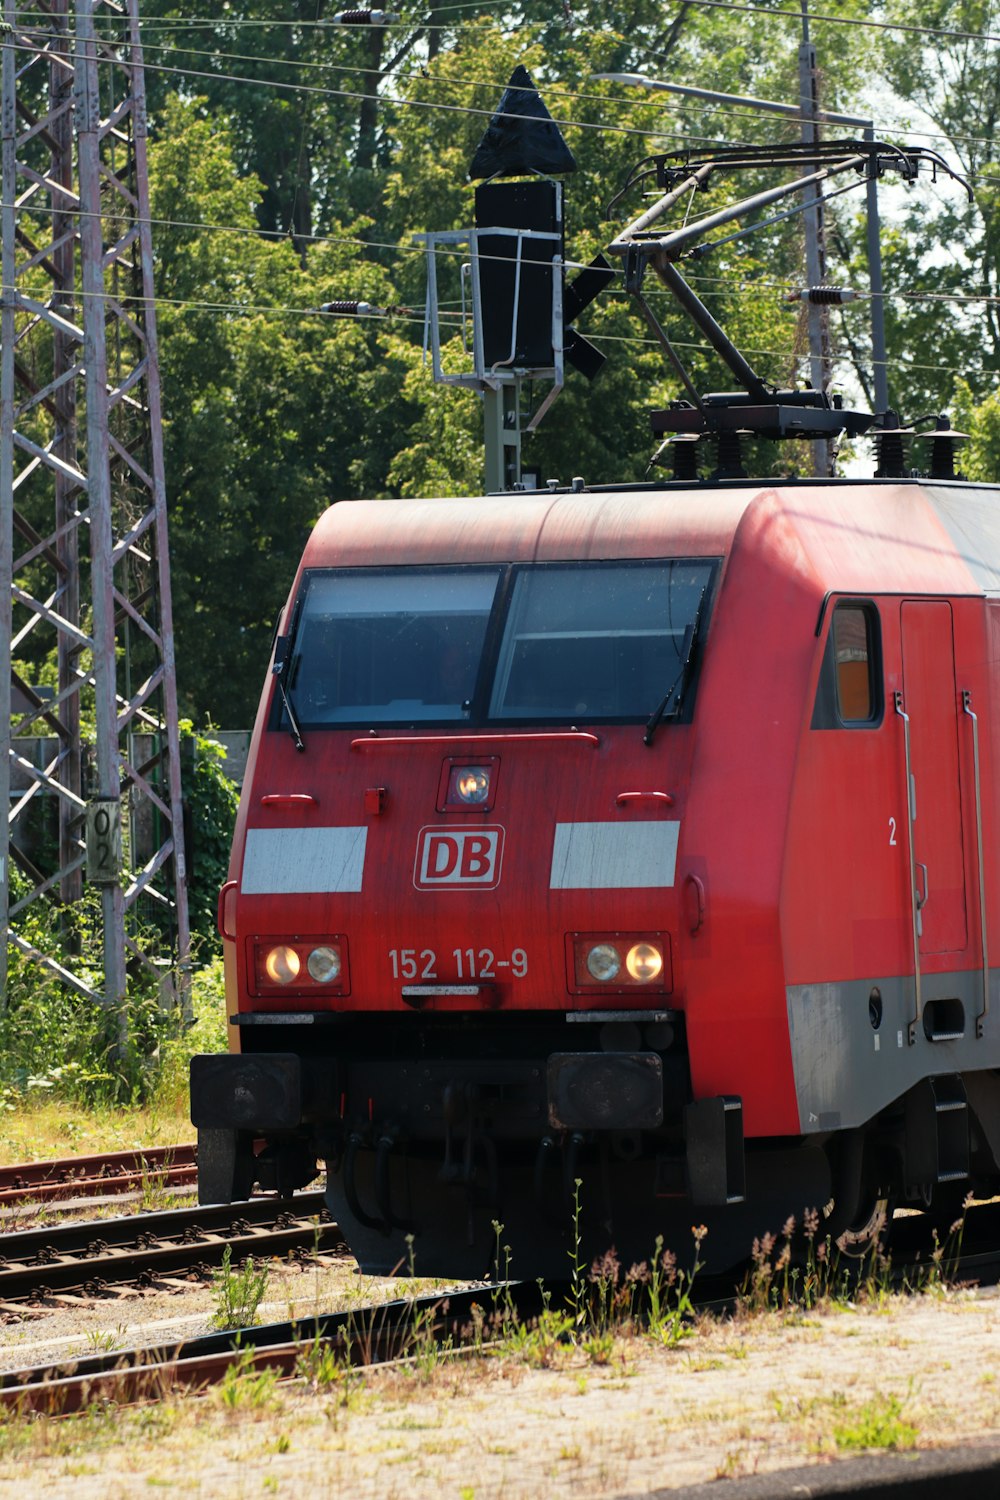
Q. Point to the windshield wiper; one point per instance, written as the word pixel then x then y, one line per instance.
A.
pixel 680 681
pixel 282 651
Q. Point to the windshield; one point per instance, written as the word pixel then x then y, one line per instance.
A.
pixel 402 645
pixel 546 643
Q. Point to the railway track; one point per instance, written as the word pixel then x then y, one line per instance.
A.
pixel 461 1321
pixel 364 1336
pixel 93 1258
pixel 108 1174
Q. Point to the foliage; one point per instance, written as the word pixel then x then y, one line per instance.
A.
pixel 878 1423
pixel 239 1293
pixel 210 800
pixel 951 79
pixel 981 459
pixel 206 1033
pixel 56 1040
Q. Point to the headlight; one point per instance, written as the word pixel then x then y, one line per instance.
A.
pixel 644 962
pixel 471 784
pixel 604 962
pixel 298 966
pixel 324 964
pixel 282 965
pixel 616 962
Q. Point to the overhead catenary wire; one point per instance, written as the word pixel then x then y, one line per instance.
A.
pixel 730 284
pixel 446 81
pixel 244 309
pixel 774 13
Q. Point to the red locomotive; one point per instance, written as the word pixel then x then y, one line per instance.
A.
pixel 643 837
pixel 623 859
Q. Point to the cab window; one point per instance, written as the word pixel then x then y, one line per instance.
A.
pixel 849 695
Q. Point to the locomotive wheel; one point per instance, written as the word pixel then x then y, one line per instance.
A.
pixel 870 1226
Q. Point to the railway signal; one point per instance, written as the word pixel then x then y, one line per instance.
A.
pixel 514 298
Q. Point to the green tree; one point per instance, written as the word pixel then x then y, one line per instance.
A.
pixel 273 410
pixel 944 267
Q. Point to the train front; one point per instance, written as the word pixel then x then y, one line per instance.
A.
pixel 454 915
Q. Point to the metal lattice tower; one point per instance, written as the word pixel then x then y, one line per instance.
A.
pixel 89 763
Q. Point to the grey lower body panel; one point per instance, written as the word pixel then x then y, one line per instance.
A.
pixel 847 1069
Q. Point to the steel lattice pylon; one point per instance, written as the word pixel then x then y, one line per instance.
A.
pixel 84 563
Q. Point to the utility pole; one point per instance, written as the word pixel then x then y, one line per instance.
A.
pixel 85 574
pixel 820 354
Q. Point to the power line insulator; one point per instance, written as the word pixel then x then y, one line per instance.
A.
pixel 348 308
pixel 364 18
pixel 823 296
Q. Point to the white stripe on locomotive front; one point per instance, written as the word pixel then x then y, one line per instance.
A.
pixel 614 856
pixel 303 861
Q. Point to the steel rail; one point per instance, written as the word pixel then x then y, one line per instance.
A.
pixel 89 1176
pixel 91 1256
pixel 376 1334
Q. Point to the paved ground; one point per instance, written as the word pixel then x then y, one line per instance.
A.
pixel 751 1404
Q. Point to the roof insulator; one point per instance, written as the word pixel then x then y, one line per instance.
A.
pixel 890 446
pixel 943 439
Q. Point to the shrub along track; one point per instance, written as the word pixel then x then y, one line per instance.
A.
pixel 48 1265
pixel 421 1327
pixel 113 1172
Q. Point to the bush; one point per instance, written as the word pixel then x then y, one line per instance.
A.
pixel 210 801
pixel 55 1039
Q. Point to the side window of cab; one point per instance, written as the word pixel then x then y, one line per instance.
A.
pixel 849 695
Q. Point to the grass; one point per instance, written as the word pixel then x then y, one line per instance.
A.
pixel 877 1423
pixel 43 1127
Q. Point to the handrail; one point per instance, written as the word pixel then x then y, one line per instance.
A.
pixel 967 706
pixel 666 798
pixel 222 911
pixel 914 904
pixel 374 741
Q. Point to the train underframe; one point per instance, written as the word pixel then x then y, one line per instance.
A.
pixel 467 1149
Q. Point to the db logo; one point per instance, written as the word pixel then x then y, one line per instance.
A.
pixel 461 857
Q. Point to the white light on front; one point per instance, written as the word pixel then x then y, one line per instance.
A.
pixel 282 965
pixel 644 962
pixel 472 783
pixel 603 962
pixel 324 965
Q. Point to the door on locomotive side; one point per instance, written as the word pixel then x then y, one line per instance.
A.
pixel 930 700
